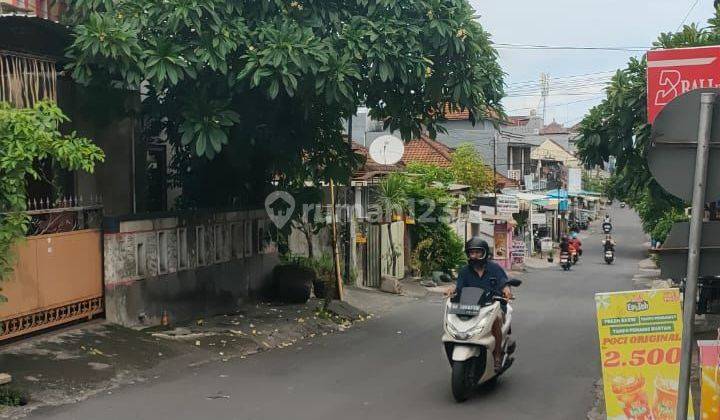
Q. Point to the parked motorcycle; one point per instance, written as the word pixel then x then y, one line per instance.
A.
pixel 468 338
pixel 609 256
pixel 565 262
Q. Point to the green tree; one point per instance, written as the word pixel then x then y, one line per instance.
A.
pixel 437 246
pixel 469 168
pixel 28 136
pixel 391 195
pixel 260 86
pixel 618 128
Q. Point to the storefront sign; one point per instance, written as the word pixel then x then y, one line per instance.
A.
pixel 640 334
pixel 538 219
pixel 710 384
pixel 507 204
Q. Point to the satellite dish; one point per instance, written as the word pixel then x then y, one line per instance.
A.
pixel 387 150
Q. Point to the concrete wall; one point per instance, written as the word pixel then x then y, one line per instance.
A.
pixel 188 265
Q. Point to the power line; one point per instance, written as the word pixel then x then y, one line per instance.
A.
pixel 687 15
pixel 568 77
pixel 562 82
pixel 559 105
pixel 568 47
pixel 557 94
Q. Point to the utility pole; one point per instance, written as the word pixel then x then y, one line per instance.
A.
pixel 544 92
pixel 348 210
pixel 495 136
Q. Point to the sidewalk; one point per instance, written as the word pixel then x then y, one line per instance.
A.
pixel 75 363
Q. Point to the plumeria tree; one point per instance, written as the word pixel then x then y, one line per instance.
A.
pixel 258 87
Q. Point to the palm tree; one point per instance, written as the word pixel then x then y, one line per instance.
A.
pixel 391 196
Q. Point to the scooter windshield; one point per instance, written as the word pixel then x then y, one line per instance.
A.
pixel 472 295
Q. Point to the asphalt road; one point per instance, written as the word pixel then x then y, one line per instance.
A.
pixel 393 367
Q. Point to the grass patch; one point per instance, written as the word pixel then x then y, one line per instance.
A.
pixel 12 397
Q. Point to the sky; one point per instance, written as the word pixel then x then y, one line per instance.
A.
pixel 576 77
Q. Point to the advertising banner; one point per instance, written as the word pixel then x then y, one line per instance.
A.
pixel 501 242
pixel 574 180
pixel 673 72
pixel 640 334
pixel 710 384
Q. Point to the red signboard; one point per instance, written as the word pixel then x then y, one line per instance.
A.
pixel 673 72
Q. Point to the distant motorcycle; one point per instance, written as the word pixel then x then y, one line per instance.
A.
pixel 565 262
pixel 609 256
pixel 607 227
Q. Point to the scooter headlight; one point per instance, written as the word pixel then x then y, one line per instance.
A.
pixel 463 332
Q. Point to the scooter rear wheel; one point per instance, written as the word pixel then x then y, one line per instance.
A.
pixel 462 380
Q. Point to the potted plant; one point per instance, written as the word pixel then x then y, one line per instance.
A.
pixel 551 255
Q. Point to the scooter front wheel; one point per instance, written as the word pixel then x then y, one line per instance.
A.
pixel 462 380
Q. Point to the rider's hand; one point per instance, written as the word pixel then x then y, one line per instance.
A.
pixel 450 291
pixel 507 293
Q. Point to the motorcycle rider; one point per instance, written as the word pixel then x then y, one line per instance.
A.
pixel 486 274
pixel 608 243
pixel 564 244
pixel 575 243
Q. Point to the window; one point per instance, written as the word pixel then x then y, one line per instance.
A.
pixel 236 233
pixel 248 231
pixel 162 252
pixel 140 260
pixel 219 243
pixel 260 238
pixel 182 248
pixel 200 246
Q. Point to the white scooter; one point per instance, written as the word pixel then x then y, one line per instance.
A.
pixel 469 342
pixel 609 256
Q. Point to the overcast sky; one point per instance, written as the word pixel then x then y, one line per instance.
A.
pixel 606 23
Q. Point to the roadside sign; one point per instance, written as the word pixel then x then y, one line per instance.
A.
pixel 538 219
pixel 574 180
pixel 517 252
pixel 710 384
pixel 673 72
pixel 674 252
pixel 507 204
pixel 546 244
pixel 640 334
pixel 674 136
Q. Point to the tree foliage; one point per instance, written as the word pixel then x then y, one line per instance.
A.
pixel 238 80
pixel 468 168
pixel 618 128
pixel 28 136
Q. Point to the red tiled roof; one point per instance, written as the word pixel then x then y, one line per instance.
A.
pixel 502 181
pixel 463 115
pixel 517 120
pixel 425 150
pixel 455 115
pixel 554 128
